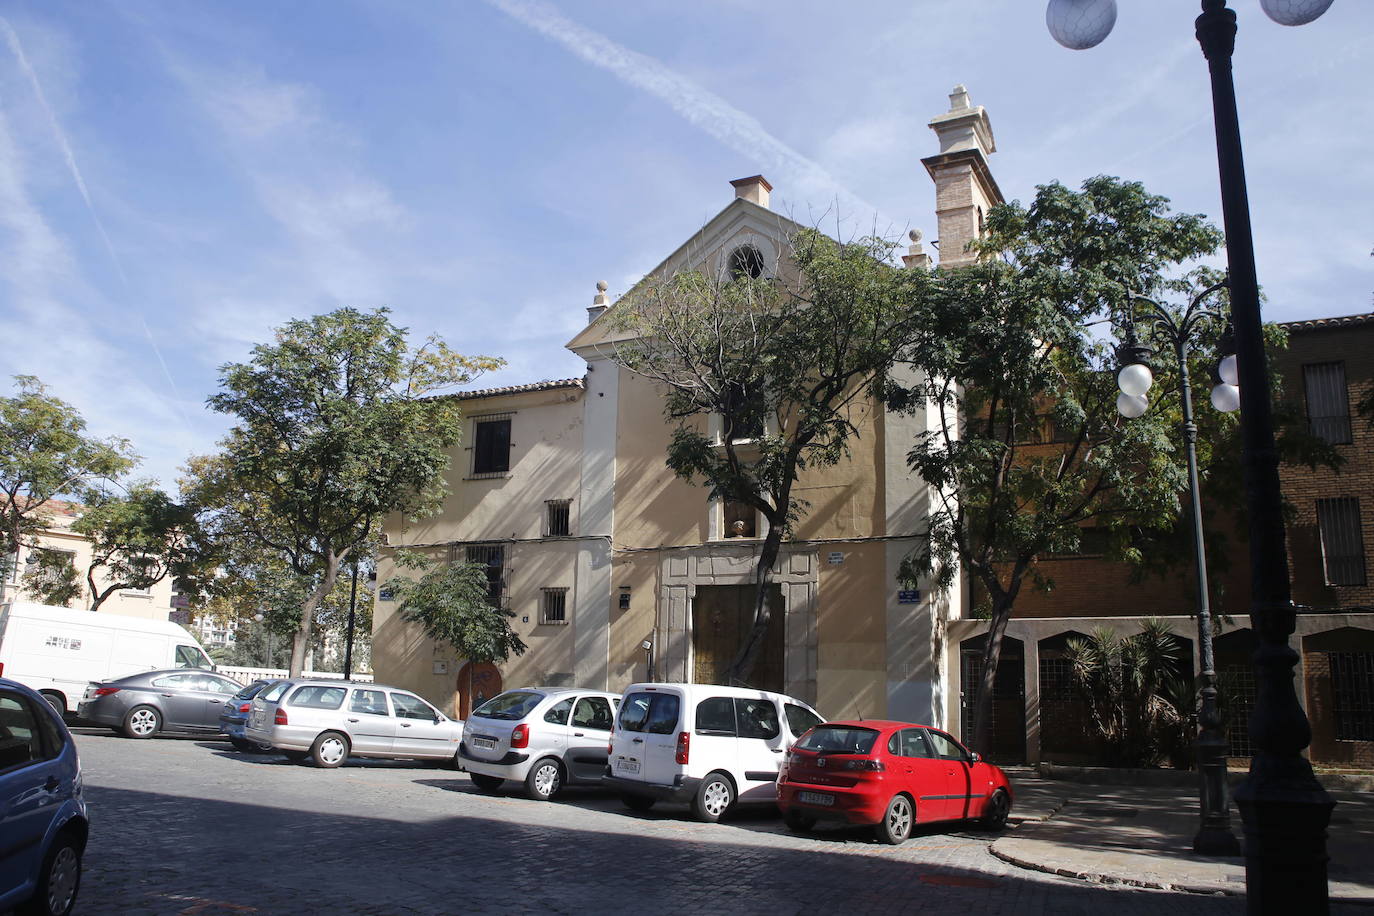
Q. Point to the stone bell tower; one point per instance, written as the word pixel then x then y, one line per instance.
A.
pixel 964 187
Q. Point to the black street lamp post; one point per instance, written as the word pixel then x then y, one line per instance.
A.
pixel 1284 808
pixel 1214 836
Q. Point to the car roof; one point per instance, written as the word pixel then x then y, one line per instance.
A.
pixel 876 724
pixel 716 690
pixel 565 691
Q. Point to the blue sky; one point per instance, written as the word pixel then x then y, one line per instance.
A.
pixel 176 179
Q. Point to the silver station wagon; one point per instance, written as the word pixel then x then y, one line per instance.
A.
pixel 545 737
pixel 330 721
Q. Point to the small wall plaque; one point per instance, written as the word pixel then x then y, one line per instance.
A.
pixel 835 557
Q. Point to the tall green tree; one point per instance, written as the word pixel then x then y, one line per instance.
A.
pixel 51 577
pixel 335 426
pixel 452 603
pixel 45 453
pixel 1029 449
pixel 138 538
pixel 787 361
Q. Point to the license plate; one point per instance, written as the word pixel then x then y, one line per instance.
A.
pixel 815 798
pixel 627 766
pixel 486 744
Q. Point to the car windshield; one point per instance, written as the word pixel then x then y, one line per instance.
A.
pixel 839 739
pixel 509 706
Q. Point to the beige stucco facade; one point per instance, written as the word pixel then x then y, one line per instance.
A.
pixel 646 549
pixel 154 603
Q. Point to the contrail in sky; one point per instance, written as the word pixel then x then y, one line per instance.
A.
pixel 12 38
pixel 736 129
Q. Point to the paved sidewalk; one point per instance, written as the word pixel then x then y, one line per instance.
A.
pixel 1141 836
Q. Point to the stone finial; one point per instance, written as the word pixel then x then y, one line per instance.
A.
pixel 600 302
pixel 964 127
pixel 916 256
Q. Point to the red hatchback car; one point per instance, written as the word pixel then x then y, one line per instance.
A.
pixel 892 775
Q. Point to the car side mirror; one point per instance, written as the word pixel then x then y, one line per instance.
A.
pixel 975 756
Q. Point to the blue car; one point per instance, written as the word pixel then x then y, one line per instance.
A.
pixel 234 716
pixel 43 825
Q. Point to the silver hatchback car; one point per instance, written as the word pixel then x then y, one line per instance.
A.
pixel 546 737
pixel 330 720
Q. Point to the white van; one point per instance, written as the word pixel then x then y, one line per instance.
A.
pixel 58 651
pixel 706 745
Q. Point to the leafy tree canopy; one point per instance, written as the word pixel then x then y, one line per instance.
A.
pixel 138 538
pixel 1019 366
pixel 44 454
pixel 451 602
pixel 336 426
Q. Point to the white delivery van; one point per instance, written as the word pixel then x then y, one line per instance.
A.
pixel 702 744
pixel 58 651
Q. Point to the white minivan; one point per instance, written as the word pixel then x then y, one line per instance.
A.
pixel 58 651
pixel 702 744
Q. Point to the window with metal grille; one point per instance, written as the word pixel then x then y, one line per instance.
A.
pixel 493 558
pixel 1342 541
pixel 1064 717
pixel 558 518
pixel 491 445
pixel 1328 407
pixel 555 607
pixel 1352 683
pixel 1237 692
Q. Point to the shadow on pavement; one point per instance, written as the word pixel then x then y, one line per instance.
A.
pixel 161 854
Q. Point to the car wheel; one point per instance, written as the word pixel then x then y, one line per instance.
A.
pixel 897 822
pixel 57 702
pixel 714 797
pixel 486 783
pixel 142 722
pixel 544 779
pixel 296 756
pixel 58 881
pixel 995 814
pixel 636 802
pixel 798 822
pixel 329 750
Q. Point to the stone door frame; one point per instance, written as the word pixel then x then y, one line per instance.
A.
pixel 680 572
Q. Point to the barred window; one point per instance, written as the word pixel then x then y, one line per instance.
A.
pixel 493 557
pixel 558 518
pixel 1328 408
pixel 1352 682
pixel 555 606
pixel 1342 542
pixel 491 445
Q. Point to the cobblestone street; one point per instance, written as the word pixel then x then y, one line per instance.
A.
pixel 188 826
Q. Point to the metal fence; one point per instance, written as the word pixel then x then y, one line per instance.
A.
pixel 254 674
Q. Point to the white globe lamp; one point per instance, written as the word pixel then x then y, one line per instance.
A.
pixel 1135 379
pixel 1080 24
pixel 1294 12
pixel 1226 398
pixel 1131 406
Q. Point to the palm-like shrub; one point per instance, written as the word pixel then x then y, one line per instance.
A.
pixel 1139 702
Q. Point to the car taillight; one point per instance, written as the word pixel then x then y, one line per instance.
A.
pixel 870 765
pixel 280 717
pixel 684 747
pixel 245 707
pixel 104 691
pixel 520 737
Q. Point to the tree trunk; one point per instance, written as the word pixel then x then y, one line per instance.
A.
pixel 300 641
pixel 981 726
pixel 743 665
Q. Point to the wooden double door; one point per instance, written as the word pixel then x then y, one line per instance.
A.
pixel 722 616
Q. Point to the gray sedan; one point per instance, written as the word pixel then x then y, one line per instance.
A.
pixel 141 705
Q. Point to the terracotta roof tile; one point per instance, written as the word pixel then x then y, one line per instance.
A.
pixel 548 385
pixel 1322 324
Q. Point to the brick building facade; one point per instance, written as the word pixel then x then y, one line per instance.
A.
pixel 1328 376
